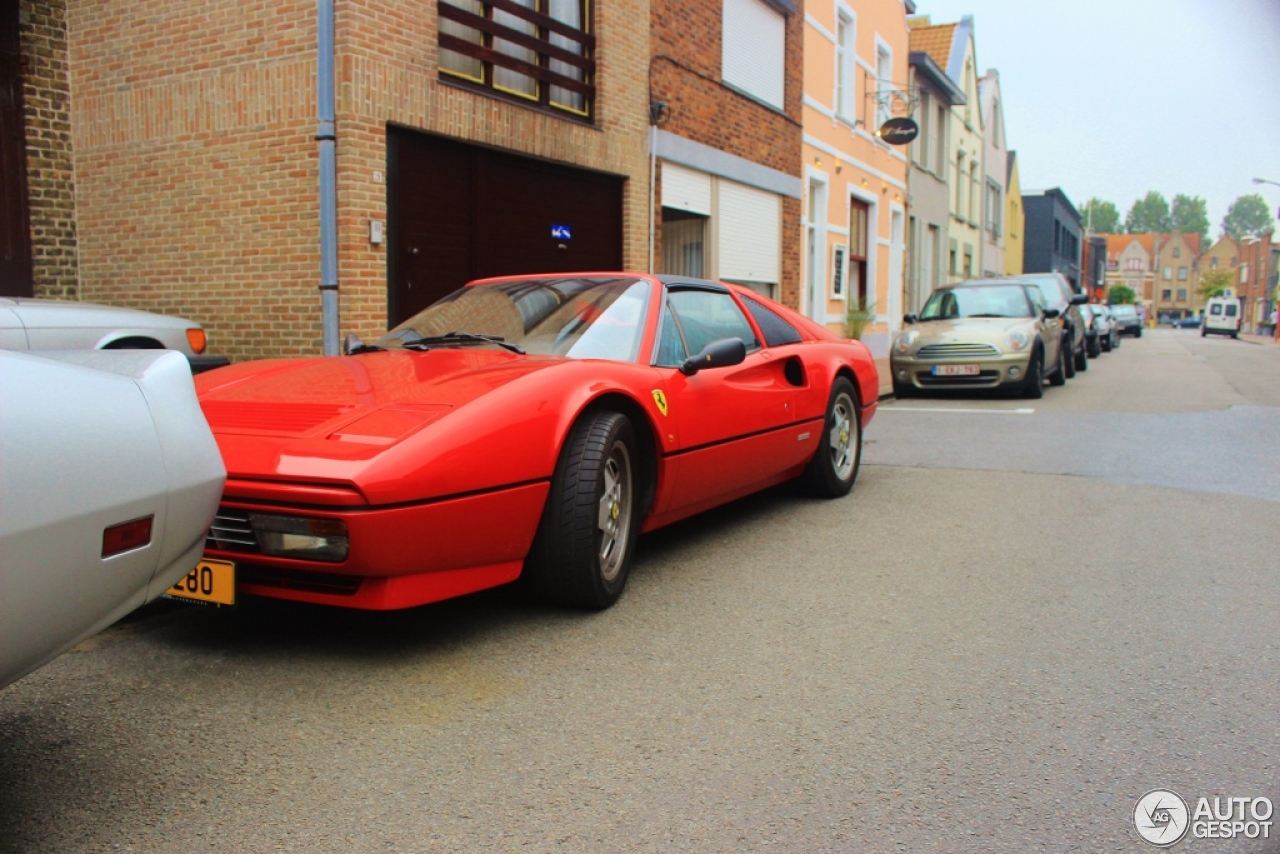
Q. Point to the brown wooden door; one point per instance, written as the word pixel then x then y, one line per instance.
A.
pixel 461 212
pixel 15 234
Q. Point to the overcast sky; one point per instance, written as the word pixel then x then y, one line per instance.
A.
pixel 1112 98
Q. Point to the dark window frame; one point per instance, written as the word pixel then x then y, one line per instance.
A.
pixel 545 52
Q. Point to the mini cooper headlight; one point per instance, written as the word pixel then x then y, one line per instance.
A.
pixel 300 537
pixel 905 340
pixel 1018 340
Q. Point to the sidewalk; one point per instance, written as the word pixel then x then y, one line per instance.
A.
pixel 1256 339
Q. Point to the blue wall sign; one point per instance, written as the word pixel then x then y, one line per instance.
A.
pixel 561 232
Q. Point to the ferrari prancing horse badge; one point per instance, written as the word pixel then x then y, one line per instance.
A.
pixel 660 399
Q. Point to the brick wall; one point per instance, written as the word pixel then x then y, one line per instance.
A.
pixel 685 74
pixel 50 175
pixel 198 168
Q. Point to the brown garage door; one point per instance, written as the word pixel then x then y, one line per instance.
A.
pixel 15 241
pixel 461 212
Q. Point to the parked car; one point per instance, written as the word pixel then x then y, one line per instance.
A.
pixel 1191 321
pixel 1058 295
pixel 1222 316
pixel 1092 333
pixel 1108 332
pixel 46 324
pixel 1127 319
pixel 528 426
pixel 110 478
pixel 998 334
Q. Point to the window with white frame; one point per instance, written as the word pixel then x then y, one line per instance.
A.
pixel 884 83
pixel 975 192
pixel 995 207
pixel 754 50
pixel 1182 274
pixel 846 64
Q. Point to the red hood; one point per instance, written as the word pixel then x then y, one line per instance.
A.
pixel 326 420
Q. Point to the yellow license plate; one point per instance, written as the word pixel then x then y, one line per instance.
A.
pixel 211 581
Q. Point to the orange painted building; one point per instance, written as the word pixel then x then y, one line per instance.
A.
pixel 854 210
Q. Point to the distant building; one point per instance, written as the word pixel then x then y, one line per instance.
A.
pixel 1014 219
pixel 1129 263
pixel 1052 243
pixel 995 169
pixel 1177 276
pixel 929 190
pixel 952 47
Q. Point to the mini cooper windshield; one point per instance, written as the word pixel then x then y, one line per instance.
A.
pixel 994 301
pixel 575 318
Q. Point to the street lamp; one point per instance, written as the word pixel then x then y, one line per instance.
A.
pixel 1265 181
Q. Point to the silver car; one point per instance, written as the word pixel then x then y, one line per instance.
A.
pixel 109 478
pixel 46 324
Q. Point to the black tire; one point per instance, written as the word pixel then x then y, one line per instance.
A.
pixel 1203 332
pixel 1235 335
pixel 1138 334
pixel 1060 374
pixel 835 465
pixel 1068 361
pixel 1033 382
pixel 1081 359
pixel 1093 347
pixel 577 559
pixel 1105 345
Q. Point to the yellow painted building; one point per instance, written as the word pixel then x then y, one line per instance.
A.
pixel 1015 220
pixel 855 185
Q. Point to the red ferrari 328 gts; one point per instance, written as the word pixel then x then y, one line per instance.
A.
pixel 529 425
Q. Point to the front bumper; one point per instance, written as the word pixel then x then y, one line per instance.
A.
pixel 993 371
pixel 400 556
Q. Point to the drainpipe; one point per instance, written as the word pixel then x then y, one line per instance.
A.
pixel 327 137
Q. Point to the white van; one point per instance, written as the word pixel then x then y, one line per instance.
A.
pixel 1222 316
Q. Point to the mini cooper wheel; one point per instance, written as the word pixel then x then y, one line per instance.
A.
pixel 1060 374
pixel 1081 359
pixel 1069 362
pixel 1033 382
pixel 834 467
pixel 582 554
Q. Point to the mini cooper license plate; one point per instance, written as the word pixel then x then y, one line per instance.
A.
pixel 956 370
pixel 211 581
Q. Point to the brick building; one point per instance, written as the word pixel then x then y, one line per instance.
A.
pixel 1177 276
pixel 724 79
pixel 197 180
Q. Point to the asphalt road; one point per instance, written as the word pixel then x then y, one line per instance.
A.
pixel 1018 624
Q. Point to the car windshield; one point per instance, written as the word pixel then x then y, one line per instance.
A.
pixel 576 318
pixel 1123 310
pixel 983 301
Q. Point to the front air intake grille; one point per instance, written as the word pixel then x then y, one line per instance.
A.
pixel 957 351
pixel 232 532
pixel 980 379
pixel 301 580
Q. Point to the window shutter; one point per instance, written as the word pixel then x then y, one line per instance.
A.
pixel 686 190
pixel 750 234
pixel 754 53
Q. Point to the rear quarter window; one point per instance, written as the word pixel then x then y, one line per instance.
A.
pixel 777 331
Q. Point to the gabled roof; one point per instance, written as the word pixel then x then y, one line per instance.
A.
pixel 926 66
pixel 933 40
pixel 1117 243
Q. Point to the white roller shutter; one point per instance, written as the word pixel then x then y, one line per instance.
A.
pixel 754 52
pixel 686 190
pixel 750 234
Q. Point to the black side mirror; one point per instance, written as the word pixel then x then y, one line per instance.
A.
pixel 910 318
pixel 717 354
pixel 352 342
pixel 1080 299
pixel 1051 313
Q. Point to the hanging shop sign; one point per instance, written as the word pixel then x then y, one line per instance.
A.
pixel 899 130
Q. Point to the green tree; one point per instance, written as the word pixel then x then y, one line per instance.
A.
pixel 1121 295
pixel 1149 214
pixel 1214 283
pixel 1102 217
pixel 1190 216
pixel 1248 216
